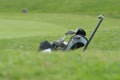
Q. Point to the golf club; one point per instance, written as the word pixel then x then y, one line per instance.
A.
pixel 101 17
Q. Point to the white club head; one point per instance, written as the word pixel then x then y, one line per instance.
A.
pixel 100 16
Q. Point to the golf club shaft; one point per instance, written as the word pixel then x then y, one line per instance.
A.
pixel 93 33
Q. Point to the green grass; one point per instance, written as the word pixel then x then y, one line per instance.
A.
pixel 109 7
pixel 57 66
pixel 20 35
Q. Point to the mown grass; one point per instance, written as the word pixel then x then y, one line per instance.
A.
pixel 21 60
pixel 109 7
pixel 53 26
pixel 77 66
pixel 20 35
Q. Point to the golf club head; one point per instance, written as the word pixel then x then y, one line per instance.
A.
pixel 70 32
pixel 100 16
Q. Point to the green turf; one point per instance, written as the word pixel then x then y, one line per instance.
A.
pixel 109 7
pixel 21 34
pixel 57 66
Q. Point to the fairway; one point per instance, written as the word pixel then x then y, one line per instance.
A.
pixel 21 34
pixel 53 26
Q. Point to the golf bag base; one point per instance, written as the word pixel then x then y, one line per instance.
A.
pixel 45 45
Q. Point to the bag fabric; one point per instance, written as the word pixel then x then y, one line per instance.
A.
pixel 45 45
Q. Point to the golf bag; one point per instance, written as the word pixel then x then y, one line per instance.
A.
pixel 76 41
